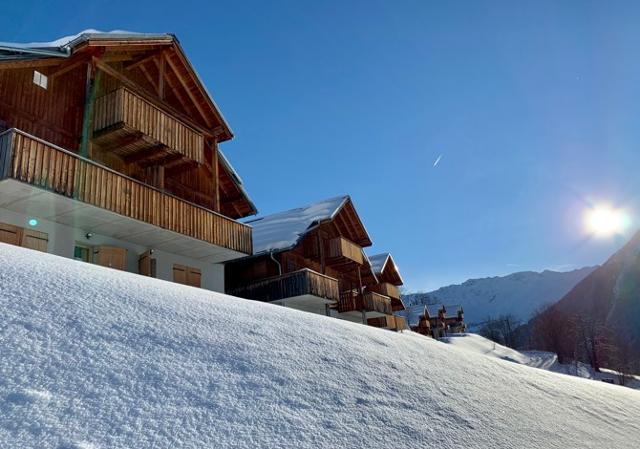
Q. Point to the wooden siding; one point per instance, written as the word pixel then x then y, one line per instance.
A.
pixel 121 113
pixel 351 301
pixel 386 289
pixel 297 283
pixel 341 250
pixel 41 164
pixel 54 114
pixel 388 322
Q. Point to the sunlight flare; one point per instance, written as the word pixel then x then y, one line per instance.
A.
pixel 604 221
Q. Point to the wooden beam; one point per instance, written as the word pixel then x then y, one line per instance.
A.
pixel 141 61
pixel 30 63
pixel 174 88
pixel 188 91
pixel 161 75
pixel 140 91
pixel 144 154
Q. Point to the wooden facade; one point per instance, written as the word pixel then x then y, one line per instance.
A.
pixel 331 250
pixel 123 123
pixel 40 164
pixel 296 283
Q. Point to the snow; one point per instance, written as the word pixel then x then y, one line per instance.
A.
pixel 66 40
pixel 378 261
pixel 282 230
pixel 519 294
pixel 98 358
pixel 536 359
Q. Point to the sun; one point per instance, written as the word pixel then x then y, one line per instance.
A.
pixel 604 221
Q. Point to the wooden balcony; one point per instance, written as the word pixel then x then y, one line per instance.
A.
pixel 40 164
pixel 297 284
pixel 341 251
pixel 388 322
pixel 135 129
pixel 386 289
pixel 351 301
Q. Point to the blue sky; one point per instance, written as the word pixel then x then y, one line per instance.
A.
pixel 533 108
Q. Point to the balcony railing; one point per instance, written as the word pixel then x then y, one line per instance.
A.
pixel 352 301
pixel 341 251
pixel 41 164
pixel 122 114
pixel 386 289
pixel 388 322
pixel 289 285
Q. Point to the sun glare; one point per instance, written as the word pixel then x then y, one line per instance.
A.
pixel 604 221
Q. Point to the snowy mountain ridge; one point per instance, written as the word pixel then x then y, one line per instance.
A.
pixel 519 294
pixel 98 358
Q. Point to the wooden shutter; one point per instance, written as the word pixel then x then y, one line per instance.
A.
pixel 179 274
pixel 35 240
pixel 186 275
pixel 146 264
pixel 111 256
pixel 193 277
pixel 10 234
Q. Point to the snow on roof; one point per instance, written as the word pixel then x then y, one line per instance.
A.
pixel 67 41
pixel 412 314
pixel 378 261
pixel 236 178
pixel 99 358
pixel 283 230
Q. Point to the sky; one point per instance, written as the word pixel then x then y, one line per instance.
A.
pixel 472 136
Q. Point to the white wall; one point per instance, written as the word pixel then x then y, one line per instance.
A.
pixel 62 240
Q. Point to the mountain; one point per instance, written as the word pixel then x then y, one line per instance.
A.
pixel 97 358
pixel 519 294
pixel 610 295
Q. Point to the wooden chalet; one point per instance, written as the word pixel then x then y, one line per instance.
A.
pixel 109 153
pixel 435 320
pixel 312 259
pixel 388 281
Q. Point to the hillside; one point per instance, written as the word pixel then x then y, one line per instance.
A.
pixel 536 359
pixel 610 295
pixel 95 358
pixel 519 294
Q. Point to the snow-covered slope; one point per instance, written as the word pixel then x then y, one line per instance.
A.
pixel 97 358
pixel 519 294
pixel 536 359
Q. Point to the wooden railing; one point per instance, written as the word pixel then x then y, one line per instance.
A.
pixel 289 285
pixel 351 301
pixel 339 248
pixel 31 160
pixel 386 289
pixel 388 322
pixel 124 107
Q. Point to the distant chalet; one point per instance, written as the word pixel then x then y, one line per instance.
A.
pixel 312 258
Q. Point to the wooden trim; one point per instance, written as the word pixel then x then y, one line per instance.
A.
pixel 39 163
pixel 296 283
pixel 141 92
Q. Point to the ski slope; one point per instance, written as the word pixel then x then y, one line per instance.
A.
pixel 94 358
pixel 536 359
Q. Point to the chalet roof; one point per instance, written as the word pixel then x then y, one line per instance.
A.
pixel 237 181
pixel 384 260
pixel 412 314
pixel 64 47
pixel 283 230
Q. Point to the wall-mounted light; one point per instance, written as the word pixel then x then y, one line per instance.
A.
pixel 33 222
pixel 88 235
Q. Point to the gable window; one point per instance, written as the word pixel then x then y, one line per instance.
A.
pixel 40 79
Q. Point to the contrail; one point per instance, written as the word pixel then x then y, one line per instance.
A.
pixel 437 160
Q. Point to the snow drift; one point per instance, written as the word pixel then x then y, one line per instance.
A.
pixel 96 358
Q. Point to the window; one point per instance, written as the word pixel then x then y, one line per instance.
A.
pixel 40 79
pixel 82 253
